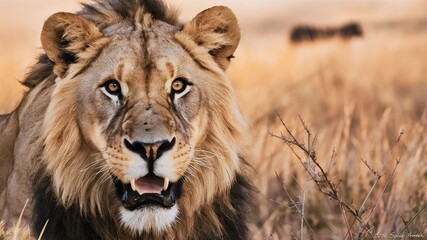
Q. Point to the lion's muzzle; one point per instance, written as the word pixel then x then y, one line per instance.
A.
pixel 150 152
pixel 149 189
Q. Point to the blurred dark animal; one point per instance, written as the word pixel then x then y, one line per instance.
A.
pixel 310 33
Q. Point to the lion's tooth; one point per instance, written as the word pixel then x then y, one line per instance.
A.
pixel 132 184
pixel 166 184
pixel 140 192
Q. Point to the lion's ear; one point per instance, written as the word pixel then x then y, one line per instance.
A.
pixel 64 36
pixel 217 30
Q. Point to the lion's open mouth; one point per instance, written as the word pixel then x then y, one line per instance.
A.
pixel 145 191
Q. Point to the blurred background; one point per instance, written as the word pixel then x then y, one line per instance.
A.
pixel 355 71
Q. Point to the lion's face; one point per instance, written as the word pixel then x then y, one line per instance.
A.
pixel 141 100
pixel 146 120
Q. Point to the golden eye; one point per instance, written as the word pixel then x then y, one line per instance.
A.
pixel 112 87
pixel 178 85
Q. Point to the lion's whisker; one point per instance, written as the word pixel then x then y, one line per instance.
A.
pixel 202 163
pixel 93 163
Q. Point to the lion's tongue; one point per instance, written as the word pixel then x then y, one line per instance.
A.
pixel 149 184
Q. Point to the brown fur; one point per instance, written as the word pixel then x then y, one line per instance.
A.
pixel 71 125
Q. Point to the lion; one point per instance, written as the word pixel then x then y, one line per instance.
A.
pixel 131 128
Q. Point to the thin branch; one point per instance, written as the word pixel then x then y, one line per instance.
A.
pixel 392 150
pixel 385 188
pixel 307 130
pixel 321 180
pixel 370 168
pixel 331 160
pixel 294 203
pixel 365 221
pixel 413 218
pixel 346 222
pixel 362 207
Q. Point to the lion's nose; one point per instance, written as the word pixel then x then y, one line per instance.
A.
pixel 150 151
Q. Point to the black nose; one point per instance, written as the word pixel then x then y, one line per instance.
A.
pixel 150 151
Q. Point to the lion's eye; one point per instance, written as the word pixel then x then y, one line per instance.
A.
pixel 179 88
pixel 179 85
pixel 113 87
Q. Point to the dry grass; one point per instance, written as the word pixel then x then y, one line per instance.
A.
pixel 358 179
pixel 18 231
pixel 356 97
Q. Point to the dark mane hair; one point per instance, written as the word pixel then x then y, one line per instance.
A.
pixel 108 12
pixel 105 13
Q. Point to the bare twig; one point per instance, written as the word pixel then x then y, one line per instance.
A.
pixel 296 205
pixel 346 222
pixel 307 130
pixel 365 221
pixel 385 187
pixel 370 168
pixel 378 176
pixel 316 171
pixel 326 185
pixel 412 219
pixel 331 160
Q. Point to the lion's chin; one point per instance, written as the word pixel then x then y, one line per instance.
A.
pixel 150 218
pixel 148 203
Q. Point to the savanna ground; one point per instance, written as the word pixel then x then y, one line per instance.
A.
pixel 338 126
